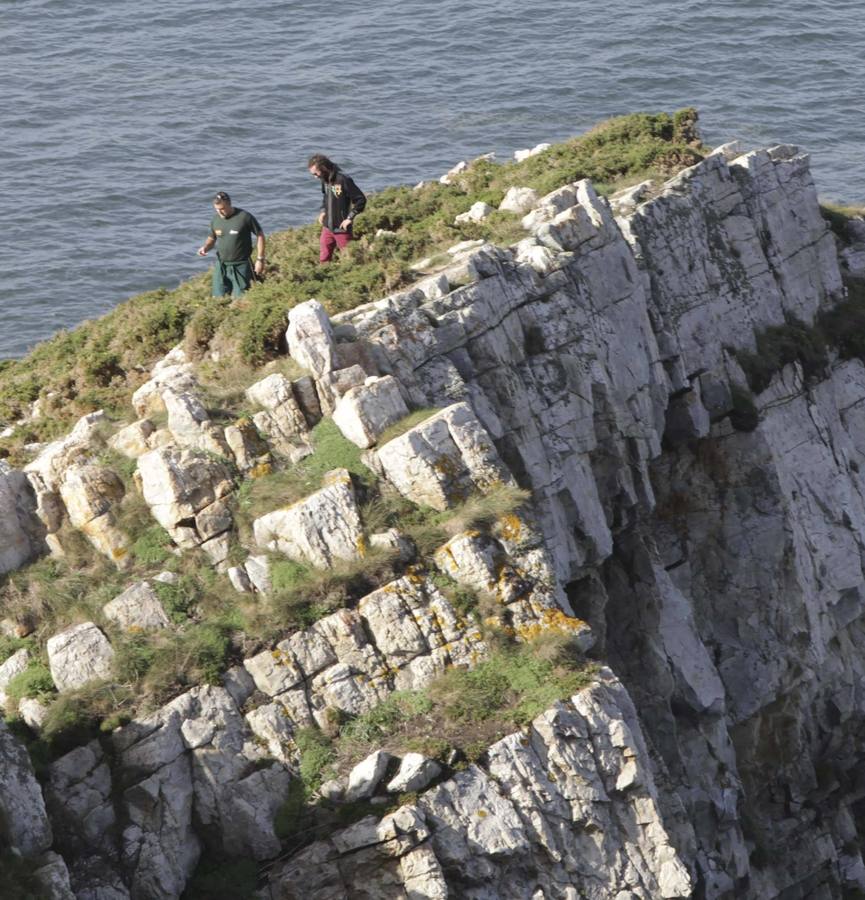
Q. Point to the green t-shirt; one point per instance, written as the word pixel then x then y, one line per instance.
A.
pixel 234 235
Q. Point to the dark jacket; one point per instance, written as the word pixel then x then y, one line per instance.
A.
pixel 341 199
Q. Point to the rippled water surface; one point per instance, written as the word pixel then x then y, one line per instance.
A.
pixel 119 120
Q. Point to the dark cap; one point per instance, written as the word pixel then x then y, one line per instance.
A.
pixel 222 197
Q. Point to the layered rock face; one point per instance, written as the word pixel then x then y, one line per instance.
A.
pixel 721 572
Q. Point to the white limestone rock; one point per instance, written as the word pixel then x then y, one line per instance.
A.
pixel 415 773
pixel 33 712
pixel 333 385
pixel 22 809
pixel 271 725
pixel 319 529
pixel 78 655
pixel 519 200
pixel 178 483
pixel 19 527
pixel 453 172
pixel 133 440
pixel 258 571
pixel 138 607
pixel 239 579
pixel 444 459
pixel 476 213
pixel 310 337
pixel 248 448
pixel 89 493
pixel 190 425
pixel 283 420
pixel 520 155
pixel 365 411
pixel 13 666
pixel 366 775
pixel 174 372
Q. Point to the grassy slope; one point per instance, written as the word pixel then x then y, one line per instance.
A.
pixel 98 364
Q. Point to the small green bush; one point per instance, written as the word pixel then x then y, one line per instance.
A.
pixel 11 645
pixel 35 681
pixel 744 416
pixel 151 547
pixel 780 345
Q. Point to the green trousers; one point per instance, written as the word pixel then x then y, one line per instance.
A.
pixel 231 277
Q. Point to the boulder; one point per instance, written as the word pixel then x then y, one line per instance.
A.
pixel 416 771
pixel 13 666
pixel 310 337
pixel 133 440
pixel 520 155
pixel 320 529
pixel 444 459
pixel 519 200
pixel 248 448
pixel 258 572
pixel 78 655
pixel 24 823
pixel 452 173
pixel 365 411
pixel 366 775
pixel 173 372
pixel 333 385
pixel 190 425
pixel 138 607
pixel 20 529
pixel 283 421
pixel 33 712
pixel 178 483
pixel 477 212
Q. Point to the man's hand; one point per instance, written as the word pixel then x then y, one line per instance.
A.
pixel 321 218
pixel 259 266
pixel 202 250
pixel 345 224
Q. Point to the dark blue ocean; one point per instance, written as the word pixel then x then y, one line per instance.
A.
pixel 118 121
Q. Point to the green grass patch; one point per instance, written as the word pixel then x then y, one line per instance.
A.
pixel 35 682
pixel 11 645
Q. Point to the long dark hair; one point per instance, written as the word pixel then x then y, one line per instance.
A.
pixel 328 167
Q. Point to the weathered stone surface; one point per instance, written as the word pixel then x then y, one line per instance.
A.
pixel 78 655
pixel 20 530
pixel 310 337
pixel 13 666
pixel 283 421
pixel 178 483
pixel 190 425
pixel 365 776
pixel 138 607
pixel 332 385
pixel 519 200
pixel 51 874
pixel 320 529
pixel 365 411
pixel 476 213
pixel 24 824
pixel 520 155
pixel 414 774
pixel 258 571
pixel 247 446
pixel 173 372
pixel 133 440
pixel 33 713
pixel 89 493
pixel 444 459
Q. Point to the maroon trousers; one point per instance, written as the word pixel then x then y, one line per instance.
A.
pixel 329 241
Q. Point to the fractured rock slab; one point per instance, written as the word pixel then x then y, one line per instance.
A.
pixel 78 655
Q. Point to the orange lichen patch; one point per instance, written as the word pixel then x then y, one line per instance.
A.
pixel 361 545
pixel 337 476
pixel 261 470
pixel 551 620
pixel 119 553
pixel 510 527
pixel 482 813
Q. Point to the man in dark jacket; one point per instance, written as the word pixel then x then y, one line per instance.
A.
pixel 341 201
pixel 231 231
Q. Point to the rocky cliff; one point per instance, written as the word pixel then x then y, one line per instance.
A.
pixel 701 543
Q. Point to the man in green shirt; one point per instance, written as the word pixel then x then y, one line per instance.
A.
pixel 231 230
